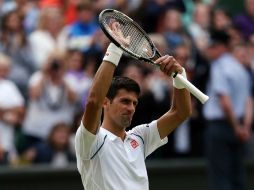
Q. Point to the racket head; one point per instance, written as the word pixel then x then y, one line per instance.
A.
pixel 140 45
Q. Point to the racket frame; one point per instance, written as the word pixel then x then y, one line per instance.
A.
pixel 136 56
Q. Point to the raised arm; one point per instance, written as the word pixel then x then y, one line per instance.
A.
pixel 99 88
pixel 181 101
pixel 101 84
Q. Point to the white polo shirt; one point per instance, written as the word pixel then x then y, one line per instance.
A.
pixel 105 162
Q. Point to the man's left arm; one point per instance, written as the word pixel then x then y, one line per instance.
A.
pixel 181 100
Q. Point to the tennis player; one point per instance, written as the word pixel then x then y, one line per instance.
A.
pixel 108 157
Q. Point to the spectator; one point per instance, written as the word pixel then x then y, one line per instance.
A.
pixel 46 38
pixel 55 151
pixel 13 42
pixel 11 113
pixel 83 33
pixel 242 53
pixel 153 9
pixel 221 18
pixel 199 27
pixel 172 28
pixel 80 73
pixel 28 10
pixel 52 100
pixel 227 115
pixel 183 55
pixel 245 21
pixel 235 35
pixel 31 15
pixel 67 6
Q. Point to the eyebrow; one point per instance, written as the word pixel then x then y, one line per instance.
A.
pixel 128 99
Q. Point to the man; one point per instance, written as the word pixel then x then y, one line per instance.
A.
pixel 228 116
pixel 108 157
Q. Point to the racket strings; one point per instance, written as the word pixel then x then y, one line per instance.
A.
pixel 139 44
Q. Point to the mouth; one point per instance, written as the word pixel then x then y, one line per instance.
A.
pixel 127 115
pixel 126 119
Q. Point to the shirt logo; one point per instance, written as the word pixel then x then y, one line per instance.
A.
pixel 134 144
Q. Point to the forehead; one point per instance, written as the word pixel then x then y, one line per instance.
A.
pixel 122 93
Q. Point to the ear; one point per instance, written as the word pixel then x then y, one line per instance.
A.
pixel 106 101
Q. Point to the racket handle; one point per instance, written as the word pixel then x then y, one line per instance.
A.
pixel 192 89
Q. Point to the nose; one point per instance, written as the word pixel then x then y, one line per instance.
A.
pixel 131 107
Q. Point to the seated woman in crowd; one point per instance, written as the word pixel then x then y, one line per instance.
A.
pixel 55 151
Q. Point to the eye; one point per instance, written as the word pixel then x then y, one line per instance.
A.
pixel 135 103
pixel 125 101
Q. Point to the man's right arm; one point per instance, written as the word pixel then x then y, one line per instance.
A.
pixel 99 88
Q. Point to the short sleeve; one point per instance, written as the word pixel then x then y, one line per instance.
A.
pixel 219 80
pixel 150 135
pixel 86 143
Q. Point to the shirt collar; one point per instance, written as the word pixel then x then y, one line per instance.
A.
pixel 113 137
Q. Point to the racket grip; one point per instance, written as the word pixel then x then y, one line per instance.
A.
pixel 192 89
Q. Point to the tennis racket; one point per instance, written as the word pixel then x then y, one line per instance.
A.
pixel 137 44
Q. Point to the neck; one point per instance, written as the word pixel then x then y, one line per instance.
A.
pixel 118 131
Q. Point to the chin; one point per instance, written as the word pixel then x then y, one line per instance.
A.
pixel 126 123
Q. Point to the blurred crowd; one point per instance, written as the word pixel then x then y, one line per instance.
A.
pixel 51 49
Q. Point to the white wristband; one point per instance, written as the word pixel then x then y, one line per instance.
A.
pixel 113 54
pixel 176 83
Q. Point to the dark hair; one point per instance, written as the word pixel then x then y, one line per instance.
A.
pixel 219 37
pixel 5 33
pixel 223 9
pixel 55 65
pixel 122 83
pixel 55 129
